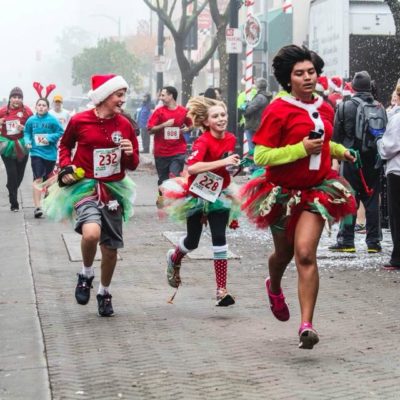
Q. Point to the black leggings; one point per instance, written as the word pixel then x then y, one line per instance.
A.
pixel 218 222
pixel 15 174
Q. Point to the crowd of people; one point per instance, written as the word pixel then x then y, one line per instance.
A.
pixel 317 156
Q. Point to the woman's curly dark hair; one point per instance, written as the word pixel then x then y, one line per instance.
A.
pixel 287 57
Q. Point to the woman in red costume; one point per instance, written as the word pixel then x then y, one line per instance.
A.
pixel 298 193
pixel 12 149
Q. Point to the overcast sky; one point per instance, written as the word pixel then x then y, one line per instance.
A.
pixel 28 27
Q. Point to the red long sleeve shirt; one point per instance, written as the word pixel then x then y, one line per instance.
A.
pixel 94 139
pixel 13 116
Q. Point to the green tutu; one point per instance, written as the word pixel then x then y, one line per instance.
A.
pixel 60 202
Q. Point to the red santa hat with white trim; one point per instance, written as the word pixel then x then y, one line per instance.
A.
pixel 322 85
pixel 104 86
pixel 348 89
pixel 335 83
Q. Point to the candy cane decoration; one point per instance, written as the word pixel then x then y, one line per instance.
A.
pixel 248 70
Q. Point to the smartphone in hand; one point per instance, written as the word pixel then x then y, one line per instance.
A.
pixel 315 135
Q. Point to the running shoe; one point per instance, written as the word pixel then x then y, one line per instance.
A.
pixel 224 299
pixel 82 290
pixel 173 271
pixel 390 267
pixel 105 307
pixel 342 248
pixel 374 248
pixel 38 212
pixel 160 202
pixel 308 336
pixel 14 208
pixel 277 303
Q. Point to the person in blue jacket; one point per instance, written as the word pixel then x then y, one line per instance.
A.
pixel 41 135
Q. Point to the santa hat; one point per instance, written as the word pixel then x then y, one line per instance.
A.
pixel 322 85
pixel 336 83
pixel 348 89
pixel 105 85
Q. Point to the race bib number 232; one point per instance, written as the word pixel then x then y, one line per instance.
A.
pixel 106 162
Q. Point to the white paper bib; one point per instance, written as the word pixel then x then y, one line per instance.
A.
pixel 12 127
pixel 41 139
pixel 106 162
pixel 171 133
pixel 207 185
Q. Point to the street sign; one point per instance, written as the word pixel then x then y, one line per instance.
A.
pixel 233 41
pixel 252 31
pixel 159 63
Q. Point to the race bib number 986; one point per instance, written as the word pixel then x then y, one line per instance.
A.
pixel 106 162
pixel 207 185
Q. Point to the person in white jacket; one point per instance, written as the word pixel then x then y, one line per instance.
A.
pixel 389 150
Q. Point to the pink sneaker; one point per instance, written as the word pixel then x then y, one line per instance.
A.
pixel 308 336
pixel 277 302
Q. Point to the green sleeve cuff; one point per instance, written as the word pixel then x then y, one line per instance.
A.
pixel 278 156
pixel 337 150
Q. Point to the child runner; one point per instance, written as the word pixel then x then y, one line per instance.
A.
pixel 206 194
pixel 298 191
pixel 106 146
pixel 41 135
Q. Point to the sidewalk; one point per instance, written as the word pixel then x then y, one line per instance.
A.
pixel 191 349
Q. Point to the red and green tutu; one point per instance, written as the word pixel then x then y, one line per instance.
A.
pixel 270 205
pixel 60 202
pixel 13 148
pixel 179 203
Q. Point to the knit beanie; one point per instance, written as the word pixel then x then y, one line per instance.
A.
pixel 16 92
pixel 361 82
pixel 105 85
pixel 261 83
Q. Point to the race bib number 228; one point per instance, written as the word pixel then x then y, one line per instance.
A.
pixel 207 185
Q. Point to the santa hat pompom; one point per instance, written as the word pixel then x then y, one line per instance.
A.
pixel 105 85
pixel 336 83
pixel 322 85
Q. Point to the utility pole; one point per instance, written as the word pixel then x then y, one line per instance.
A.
pixel 233 74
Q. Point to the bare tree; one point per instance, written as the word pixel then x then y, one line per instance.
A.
pixel 221 22
pixel 179 31
pixel 394 6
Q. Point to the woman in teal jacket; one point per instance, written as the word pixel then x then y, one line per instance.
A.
pixel 41 135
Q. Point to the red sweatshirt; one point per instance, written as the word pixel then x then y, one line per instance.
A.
pixel 13 116
pixel 98 151
pixel 164 144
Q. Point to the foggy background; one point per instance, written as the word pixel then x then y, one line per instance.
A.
pixel 29 32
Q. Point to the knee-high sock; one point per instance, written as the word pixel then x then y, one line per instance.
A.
pixel 180 252
pixel 221 265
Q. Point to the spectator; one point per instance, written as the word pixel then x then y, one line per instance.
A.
pixel 143 117
pixel 344 133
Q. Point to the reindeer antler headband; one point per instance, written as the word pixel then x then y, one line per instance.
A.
pixel 39 89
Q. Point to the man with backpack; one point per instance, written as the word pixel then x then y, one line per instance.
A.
pixel 253 112
pixel 358 122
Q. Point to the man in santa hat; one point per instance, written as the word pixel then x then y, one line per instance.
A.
pixel 106 146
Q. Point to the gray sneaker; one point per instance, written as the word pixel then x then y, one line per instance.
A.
pixel 173 270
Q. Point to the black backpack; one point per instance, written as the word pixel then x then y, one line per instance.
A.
pixel 371 120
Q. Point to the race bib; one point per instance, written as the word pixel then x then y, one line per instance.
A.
pixel 171 133
pixel 41 139
pixel 12 127
pixel 207 185
pixel 106 162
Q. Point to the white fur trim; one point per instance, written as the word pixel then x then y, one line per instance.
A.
pixel 182 247
pixel 107 88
